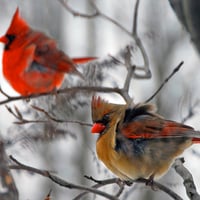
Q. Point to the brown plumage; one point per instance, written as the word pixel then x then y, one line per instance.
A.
pixel 137 142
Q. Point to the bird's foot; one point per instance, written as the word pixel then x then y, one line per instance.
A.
pixel 150 182
pixel 128 182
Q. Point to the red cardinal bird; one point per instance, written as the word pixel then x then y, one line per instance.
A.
pixel 32 63
pixel 135 142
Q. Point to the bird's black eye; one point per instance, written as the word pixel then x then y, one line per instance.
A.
pixel 10 38
pixel 105 119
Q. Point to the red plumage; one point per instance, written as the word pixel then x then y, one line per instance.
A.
pixel 32 63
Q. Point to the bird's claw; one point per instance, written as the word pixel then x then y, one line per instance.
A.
pixel 150 182
pixel 128 182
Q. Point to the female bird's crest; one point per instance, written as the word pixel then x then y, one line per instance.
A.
pixel 101 107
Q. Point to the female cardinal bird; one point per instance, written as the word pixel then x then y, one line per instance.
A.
pixel 32 63
pixel 135 142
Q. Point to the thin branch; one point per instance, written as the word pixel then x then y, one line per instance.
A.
pixel 176 69
pixel 60 120
pixel 162 188
pixel 141 180
pixel 130 72
pixel 67 90
pixel 97 13
pixel 145 68
pixel 106 17
pixel 59 181
pixel 133 35
pixel 135 18
pixel 76 13
pixel 99 183
pixel 140 44
pixel 2 92
pixel 121 189
pixel 22 120
pixel 187 179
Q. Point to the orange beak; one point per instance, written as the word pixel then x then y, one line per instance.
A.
pixel 4 39
pixel 97 128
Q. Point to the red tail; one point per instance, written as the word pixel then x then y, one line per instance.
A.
pixel 83 60
pixel 196 140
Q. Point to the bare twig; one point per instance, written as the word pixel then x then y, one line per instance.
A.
pixel 76 13
pixel 139 43
pixel 134 34
pixel 141 180
pixel 187 179
pixel 101 183
pixel 135 18
pixel 2 92
pixel 59 181
pixel 130 71
pixel 66 90
pixel 60 120
pixel 175 70
pixel 17 114
pixel 121 189
pixel 162 188
pixel 97 13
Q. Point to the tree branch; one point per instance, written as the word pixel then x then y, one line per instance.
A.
pixel 187 179
pixel 175 70
pixel 18 115
pixel 133 35
pixel 100 183
pixel 67 90
pixel 93 189
pixel 57 180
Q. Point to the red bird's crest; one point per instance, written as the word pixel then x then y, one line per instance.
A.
pixel 18 25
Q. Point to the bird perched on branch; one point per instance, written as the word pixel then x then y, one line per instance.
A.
pixel 32 63
pixel 136 142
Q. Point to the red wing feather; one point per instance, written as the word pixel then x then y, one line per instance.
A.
pixel 153 127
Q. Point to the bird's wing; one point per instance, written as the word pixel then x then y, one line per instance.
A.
pixel 149 127
pixel 48 55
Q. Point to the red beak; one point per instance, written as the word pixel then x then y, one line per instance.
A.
pixel 97 128
pixel 3 39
